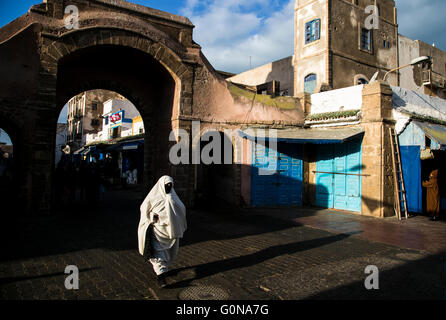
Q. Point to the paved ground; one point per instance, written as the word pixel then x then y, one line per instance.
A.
pixel 249 254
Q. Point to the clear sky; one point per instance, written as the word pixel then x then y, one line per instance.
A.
pixel 4 137
pixel 235 33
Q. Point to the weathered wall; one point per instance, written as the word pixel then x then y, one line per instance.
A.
pixel 161 70
pixel 337 57
pixel 348 59
pixel 281 70
pixel 312 57
pixel 377 179
pixel 411 77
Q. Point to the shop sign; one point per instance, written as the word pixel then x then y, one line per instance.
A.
pixel 116 118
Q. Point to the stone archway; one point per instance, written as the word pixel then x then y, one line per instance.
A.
pixel 145 79
pixel 139 78
pixel 143 54
pixel 44 63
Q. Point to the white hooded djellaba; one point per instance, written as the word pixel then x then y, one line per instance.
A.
pixel 169 228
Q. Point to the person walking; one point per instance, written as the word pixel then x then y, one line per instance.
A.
pixel 163 210
pixel 432 195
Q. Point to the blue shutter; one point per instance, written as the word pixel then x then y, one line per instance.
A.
pixel 284 188
pixel 308 32
pixel 317 28
pixel 369 40
pixel 338 184
pixel 312 30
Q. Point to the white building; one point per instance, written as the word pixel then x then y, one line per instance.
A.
pixel 61 138
pixel 117 121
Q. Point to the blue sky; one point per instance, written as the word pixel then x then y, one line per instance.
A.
pixel 234 32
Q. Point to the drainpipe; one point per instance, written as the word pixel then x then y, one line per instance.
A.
pixel 395 20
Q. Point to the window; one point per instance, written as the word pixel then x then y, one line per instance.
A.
pixel 312 31
pixel 106 120
pixel 116 132
pixel 310 83
pixel 94 106
pixel 366 39
pixel 386 44
pixel 362 81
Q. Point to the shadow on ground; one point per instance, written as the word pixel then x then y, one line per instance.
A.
pixel 112 225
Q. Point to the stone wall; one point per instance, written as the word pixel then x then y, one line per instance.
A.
pixel 337 58
pixel 161 70
pixel 377 182
pixel 281 70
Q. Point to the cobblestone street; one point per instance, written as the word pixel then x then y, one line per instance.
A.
pixel 249 254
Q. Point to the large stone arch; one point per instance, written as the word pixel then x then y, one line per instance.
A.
pixel 36 47
pixel 166 73
pixel 154 39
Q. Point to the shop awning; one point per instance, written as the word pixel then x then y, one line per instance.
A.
pixel 299 135
pixel 123 146
pixel 434 132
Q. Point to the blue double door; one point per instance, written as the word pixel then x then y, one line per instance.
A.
pixel 276 175
pixel 338 176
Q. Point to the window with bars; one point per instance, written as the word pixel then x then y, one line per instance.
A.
pixel 366 39
pixel 312 30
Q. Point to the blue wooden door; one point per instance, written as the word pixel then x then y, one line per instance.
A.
pixel 411 165
pixel 324 177
pixel 284 186
pixel 338 180
pixel 263 191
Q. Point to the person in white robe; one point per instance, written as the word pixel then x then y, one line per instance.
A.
pixel 164 209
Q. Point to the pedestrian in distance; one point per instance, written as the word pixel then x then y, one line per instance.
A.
pixel 162 224
pixel 432 195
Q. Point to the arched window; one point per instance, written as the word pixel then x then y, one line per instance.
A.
pixel 310 83
pixel 360 79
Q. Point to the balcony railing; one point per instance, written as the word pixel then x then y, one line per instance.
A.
pixel 430 77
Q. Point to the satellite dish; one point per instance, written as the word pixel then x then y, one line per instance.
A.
pixel 375 76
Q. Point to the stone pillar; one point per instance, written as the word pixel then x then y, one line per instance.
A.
pixel 377 182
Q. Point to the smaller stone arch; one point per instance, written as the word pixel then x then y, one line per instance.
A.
pixel 310 83
pixel 360 79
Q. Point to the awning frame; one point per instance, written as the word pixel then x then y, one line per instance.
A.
pixel 352 133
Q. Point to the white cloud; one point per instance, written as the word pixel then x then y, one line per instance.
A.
pixel 232 31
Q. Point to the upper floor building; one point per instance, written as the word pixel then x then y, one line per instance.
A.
pixel 338 43
pixel 85 115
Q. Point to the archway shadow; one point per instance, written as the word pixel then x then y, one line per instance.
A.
pixel 212 268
